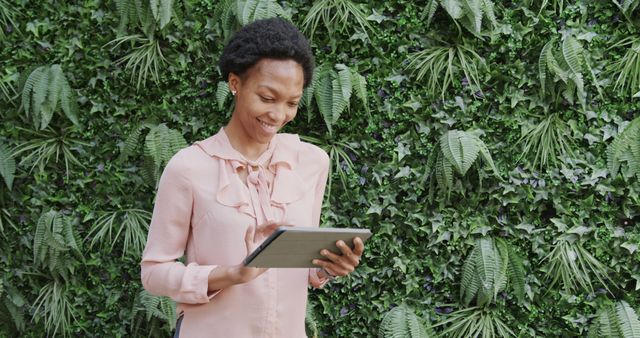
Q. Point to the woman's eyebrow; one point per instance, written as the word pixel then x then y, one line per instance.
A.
pixel 275 91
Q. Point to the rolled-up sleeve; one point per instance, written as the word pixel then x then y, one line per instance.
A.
pixel 161 273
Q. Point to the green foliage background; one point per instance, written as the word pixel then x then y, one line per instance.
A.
pixel 423 230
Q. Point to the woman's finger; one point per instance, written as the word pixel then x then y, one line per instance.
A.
pixel 267 228
pixel 334 269
pixel 347 253
pixel 346 264
pixel 358 246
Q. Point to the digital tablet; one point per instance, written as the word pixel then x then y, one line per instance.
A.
pixel 296 247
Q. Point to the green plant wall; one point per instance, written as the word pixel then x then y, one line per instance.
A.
pixel 478 120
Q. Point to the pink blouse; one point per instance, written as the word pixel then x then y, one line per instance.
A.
pixel 203 209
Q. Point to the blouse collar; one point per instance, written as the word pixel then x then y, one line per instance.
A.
pixel 283 146
pixel 288 186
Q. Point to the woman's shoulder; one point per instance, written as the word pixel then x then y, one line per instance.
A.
pixel 307 154
pixel 189 158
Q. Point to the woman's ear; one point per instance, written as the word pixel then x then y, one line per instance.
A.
pixel 234 83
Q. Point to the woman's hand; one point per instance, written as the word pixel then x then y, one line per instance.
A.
pixel 344 264
pixel 254 236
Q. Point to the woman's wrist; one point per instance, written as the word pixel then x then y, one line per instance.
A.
pixel 222 277
pixel 324 274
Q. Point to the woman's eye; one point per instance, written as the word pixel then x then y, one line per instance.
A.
pixel 293 104
pixel 266 99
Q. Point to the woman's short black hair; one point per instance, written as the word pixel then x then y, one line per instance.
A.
pixel 273 38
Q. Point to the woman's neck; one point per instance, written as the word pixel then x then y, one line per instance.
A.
pixel 242 143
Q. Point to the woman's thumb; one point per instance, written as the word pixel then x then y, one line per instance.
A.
pixel 250 234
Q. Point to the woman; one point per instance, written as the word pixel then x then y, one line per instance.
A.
pixel 219 198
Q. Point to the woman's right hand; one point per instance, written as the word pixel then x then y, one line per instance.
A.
pixel 254 236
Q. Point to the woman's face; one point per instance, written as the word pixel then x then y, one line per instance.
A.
pixel 267 97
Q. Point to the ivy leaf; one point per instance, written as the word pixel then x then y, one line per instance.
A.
pixel 631 247
pixel 580 230
pixel 402 150
pixel 377 17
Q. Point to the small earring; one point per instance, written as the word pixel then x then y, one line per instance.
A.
pixel 233 92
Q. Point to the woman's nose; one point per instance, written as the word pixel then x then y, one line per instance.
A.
pixel 278 113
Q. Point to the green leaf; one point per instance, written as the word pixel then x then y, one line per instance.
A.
pixel 453 7
pixel 572 53
pixel 402 321
pixel 7 165
pixel 628 322
pixel 222 92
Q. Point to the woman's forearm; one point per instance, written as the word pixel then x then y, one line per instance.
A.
pixel 225 276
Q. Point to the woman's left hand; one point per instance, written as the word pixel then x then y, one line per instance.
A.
pixel 345 263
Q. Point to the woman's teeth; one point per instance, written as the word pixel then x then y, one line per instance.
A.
pixel 266 125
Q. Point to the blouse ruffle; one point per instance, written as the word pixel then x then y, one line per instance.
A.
pixel 286 188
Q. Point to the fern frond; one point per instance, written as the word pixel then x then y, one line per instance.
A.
pixel 489 11
pixel 70 236
pixel 516 274
pixel 344 79
pixel 402 321
pixel 28 88
pixel 487 266
pixel 42 235
pixel 7 165
pixel 430 11
pixel 628 323
pixel 514 268
pixel 310 323
pixel 153 145
pixel 159 307
pixel 474 11
pixel 124 10
pixel 553 65
pixel 605 324
pixel 131 143
pixel 444 173
pixel 40 90
pixel 452 149
pixel 469 284
pixel 323 94
pixel 573 54
pixel 44 87
pixel 453 8
pixel 54 87
pixel 360 85
pixel 484 152
pixel 338 104
pixel 165 12
pixel 627 142
pixel 460 149
pixel 222 92
pixel 175 143
pixel 542 66
pixel 68 102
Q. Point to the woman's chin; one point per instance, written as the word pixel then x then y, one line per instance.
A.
pixel 264 137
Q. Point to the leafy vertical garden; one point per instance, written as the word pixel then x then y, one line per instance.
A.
pixel 492 147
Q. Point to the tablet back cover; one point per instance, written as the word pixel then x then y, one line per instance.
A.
pixel 297 247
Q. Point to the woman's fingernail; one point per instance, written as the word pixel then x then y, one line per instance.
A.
pixel 323 252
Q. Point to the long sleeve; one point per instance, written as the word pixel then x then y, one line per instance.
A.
pixel 314 279
pixel 161 273
pixel 320 187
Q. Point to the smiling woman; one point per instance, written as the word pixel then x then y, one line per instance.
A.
pixel 266 99
pixel 220 198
